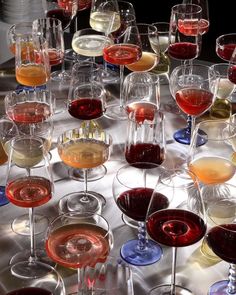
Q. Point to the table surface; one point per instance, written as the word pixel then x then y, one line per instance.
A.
pixel 193 270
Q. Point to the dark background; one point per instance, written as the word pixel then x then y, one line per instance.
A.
pixel 221 15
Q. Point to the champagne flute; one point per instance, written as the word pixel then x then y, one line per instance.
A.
pixel 182 224
pixel 27 188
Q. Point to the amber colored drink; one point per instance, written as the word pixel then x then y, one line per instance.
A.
pixel 212 170
pixel 3 155
pixel 84 153
pixel 32 75
pixel 147 62
pixel 78 245
pixel 28 192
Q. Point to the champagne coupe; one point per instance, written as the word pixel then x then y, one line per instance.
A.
pixel 86 101
pixel 124 53
pixel 222 109
pixel 232 68
pixel 32 61
pixel 221 238
pixel 181 224
pixel 81 149
pixel 79 240
pixel 185 45
pixel 51 29
pixel 46 283
pixel 141 94
pixel 194 89
pixel 150 49
pixel 28 188
pixel 225 45
pixel 8 130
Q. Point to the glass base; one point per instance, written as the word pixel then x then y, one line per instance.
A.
pixel 130 253
pixel 3 199
pixel 184 136
pixel 77 202
pixel 219 288
pixel 92 174
pixel 115 112
pixel 166 290
pixel 20 225
pixel 129 221
pixel 23 257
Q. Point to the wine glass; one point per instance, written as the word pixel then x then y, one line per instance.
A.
pixel 232 68
pixel 221 239
pixel 181 224
pixel 225 45
pixel 46 283
pixel 222 109
pixel 79 148
pixel 126 52
pixel 77 240
pixel 141 94
pixel 27 188
pixel 194 89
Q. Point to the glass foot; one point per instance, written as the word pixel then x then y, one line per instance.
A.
pixel 129 221
pixel 184 136
pixel 219 288
pixel 92 174
pixel 166 290
pixel 20 225
pixel 130 253
pixel 115 112
pixel 3 199
pixel 77 202
pixel 24 256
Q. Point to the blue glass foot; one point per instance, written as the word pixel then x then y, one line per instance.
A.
pixel 130 253
pixel 3 199
pixel 184 136
pixel 219 288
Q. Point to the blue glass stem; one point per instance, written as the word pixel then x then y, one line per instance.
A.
pixel 232 279
pixel 142 236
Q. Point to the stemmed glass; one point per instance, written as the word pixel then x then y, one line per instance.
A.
pixel 79 240
pixel 126 52
pixel 27 188
pixel 79 148
pixel 221 238
pixel 225 45
pixel 194 89
pixel 232 68
pixel 182 224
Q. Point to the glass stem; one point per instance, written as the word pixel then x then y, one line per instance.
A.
pixel 121 84
pixel 189 124
pixel 32 257
pixel 142 236
pixel 80 277
pixel 85 197
pixel 173 271
pixel 193 119
pixel 232 279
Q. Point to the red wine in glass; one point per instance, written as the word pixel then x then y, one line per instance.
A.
pixel 194 101
pixel 134 203
pixel 122 54
pixel 175 227
pixel 183 50
pixel 232 73
pixel 144 152
pixel 86 108
pixel 225 51
pixel 30 291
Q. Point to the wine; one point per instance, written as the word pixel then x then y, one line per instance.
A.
pixel 134 203
pixel 90 45
pixel 55 56
pixel 222 240
pixel 147 62
pixel 84 4
pixel 29 112
pixel 122 54
pixel 183 50
pixel 232 74
pixel 175 227
pixel 106 22
pixel 191 27
pixel 86 108
pixel 144 152
pixel 28 192
pixel 221 109
pixel 225 51
pixel 32 75
pixel 143 110
pixel 30 291
pixel 63 15
pixel 78 245
pixel 3 155
pixel 84 153
pixel 194 101
pixel 212 170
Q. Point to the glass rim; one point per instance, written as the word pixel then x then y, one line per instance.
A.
pixel 175 8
